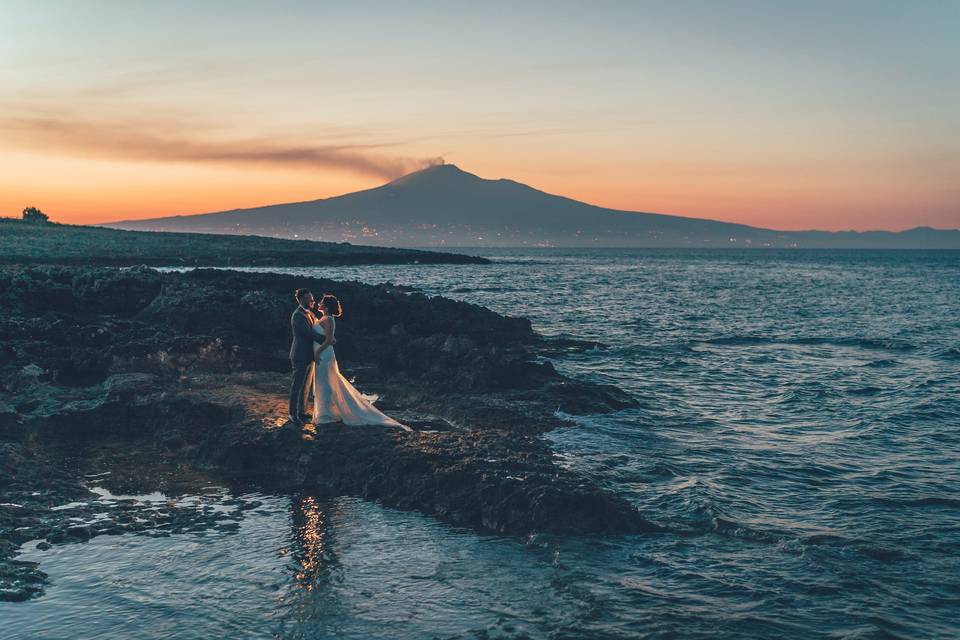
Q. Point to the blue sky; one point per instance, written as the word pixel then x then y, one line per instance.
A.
pixel 791 115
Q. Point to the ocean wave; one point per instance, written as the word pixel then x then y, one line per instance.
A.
pixel 664 470
pixel 883 363
pixel 822 539
pixel 808 393
pixel 500 260
pixel 695 513
pixel 864 391
pixel 953 353
pixel 482 289
pixel 883 554
pixel 942 409
pixel 884 344
pixel 872 550
pixel 925 501
pixel 736 340
pixel 566 342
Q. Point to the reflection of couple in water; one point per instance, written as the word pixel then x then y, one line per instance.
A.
pixel 312 551
pixel 315 369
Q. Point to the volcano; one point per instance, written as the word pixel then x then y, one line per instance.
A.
pixel 444 206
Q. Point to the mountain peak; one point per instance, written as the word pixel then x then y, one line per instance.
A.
pixel 435 174
pixel 441 168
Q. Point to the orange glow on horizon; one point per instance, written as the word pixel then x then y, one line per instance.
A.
pixel 91 191
pixel 777 118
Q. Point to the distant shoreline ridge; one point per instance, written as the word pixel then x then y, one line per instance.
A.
pixel 443 206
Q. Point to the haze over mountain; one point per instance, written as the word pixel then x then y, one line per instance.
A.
pixel 446 206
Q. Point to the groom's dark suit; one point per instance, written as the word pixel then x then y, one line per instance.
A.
pixel 301 357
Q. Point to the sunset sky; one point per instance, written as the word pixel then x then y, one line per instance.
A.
pixel 792 115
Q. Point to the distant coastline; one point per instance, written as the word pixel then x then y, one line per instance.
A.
pixel 51 243
pixel 444 206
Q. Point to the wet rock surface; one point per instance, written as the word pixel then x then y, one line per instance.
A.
pixel 190 370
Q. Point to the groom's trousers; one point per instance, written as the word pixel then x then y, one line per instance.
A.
pixel 303 372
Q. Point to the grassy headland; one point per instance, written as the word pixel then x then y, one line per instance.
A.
pixel 25 243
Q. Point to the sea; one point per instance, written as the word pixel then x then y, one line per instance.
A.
pixel 797 436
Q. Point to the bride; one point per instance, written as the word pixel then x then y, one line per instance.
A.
pixel 335 399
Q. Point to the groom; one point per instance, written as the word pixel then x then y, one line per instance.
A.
pixel 301 355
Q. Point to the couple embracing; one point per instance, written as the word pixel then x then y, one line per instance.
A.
pixel 315 370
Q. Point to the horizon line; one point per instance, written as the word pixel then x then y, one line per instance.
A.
pixel 443 164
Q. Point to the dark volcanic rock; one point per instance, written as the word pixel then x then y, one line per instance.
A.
pixel 430 352
pixel 192 368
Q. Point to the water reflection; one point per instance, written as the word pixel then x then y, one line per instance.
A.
pixel 313 552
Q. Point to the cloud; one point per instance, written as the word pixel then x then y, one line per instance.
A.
pixel 170 141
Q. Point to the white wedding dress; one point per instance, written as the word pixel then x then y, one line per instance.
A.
pixel 336 400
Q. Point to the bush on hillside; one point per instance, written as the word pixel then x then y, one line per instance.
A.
pixel 35 216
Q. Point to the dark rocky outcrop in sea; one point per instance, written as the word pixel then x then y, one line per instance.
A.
pixel 190 369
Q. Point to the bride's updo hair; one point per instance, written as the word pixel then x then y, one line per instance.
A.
pixel 331 305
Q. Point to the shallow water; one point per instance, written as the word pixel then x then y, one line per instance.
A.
pixel 799 435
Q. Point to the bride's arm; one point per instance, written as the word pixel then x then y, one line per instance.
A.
pixel 304 331
pixel 328 338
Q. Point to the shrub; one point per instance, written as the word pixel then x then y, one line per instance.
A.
pixel 35 216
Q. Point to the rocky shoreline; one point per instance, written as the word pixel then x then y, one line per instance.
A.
pixel 190 370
